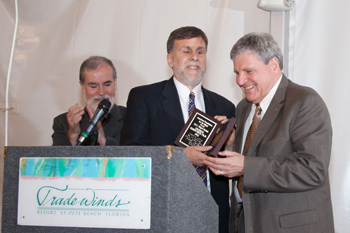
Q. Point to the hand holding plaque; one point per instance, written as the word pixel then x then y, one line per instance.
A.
pixel 204 130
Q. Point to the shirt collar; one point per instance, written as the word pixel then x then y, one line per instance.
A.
pixel 184 92
pixel 265 103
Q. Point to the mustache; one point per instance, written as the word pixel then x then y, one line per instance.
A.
pixel 102 97
pixel 193 63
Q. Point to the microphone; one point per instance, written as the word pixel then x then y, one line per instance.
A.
pixel 101 110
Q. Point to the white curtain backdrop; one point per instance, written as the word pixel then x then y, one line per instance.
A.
pixel 321 59
pixel 54 37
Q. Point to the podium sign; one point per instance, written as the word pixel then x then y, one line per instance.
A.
pixel 85 192
pixel 178 200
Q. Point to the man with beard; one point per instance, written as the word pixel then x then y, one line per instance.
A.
pixel 97 79
pixel 156 113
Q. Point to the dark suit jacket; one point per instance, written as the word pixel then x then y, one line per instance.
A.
pixel 154 117
pixel 286 185
pixel 112 126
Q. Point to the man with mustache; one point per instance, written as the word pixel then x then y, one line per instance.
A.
pixel 156 113
pixel 97 79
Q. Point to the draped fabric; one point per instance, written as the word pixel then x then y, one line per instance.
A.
pixel 321 48
pixel 54 37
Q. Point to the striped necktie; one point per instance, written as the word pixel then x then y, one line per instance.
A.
pixel 249 138
pixel 201 170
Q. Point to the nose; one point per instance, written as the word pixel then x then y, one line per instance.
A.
pixel 194 56
pixel 101 90
pixel 240 79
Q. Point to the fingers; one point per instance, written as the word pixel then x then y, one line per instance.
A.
pixel 231 166
pixel 201 148
pixel 195 154
pixel 74 115
pixel 222 119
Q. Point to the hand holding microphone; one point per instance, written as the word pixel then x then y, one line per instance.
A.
pixel 101 110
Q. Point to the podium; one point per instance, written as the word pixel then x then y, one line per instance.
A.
pixel 179 200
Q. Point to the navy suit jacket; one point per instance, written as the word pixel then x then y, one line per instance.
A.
pixel 154 117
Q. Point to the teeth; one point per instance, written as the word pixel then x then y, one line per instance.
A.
pixel 248 88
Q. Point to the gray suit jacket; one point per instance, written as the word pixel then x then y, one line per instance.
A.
pixel 285 184
pixel 112 126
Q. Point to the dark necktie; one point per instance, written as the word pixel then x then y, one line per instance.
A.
pixel 201 170
pixel 249 138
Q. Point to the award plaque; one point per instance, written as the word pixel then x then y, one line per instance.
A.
pixel 204 130
pixel 221 136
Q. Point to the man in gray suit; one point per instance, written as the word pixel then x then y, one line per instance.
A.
pixel 284 171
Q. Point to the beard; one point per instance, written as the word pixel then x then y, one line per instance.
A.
pixel 93 104
pixel 190 78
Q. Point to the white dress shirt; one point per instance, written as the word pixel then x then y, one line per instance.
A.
pixel 184 94
pixel 264 104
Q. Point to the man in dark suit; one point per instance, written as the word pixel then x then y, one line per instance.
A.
pixel 156 113
pixel 98 81
pixel 284 171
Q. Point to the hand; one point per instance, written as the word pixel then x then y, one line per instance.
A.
pixel 101 139
pixel 195 154
pixel 74 116
pixel 231 139
pixel 231 166
pixel 222 119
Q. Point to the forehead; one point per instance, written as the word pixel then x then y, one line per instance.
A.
pixel 102 73
pixel 246 59
pixel 196 42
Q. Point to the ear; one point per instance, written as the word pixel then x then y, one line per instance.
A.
pixel 82 87
pixel 169 58
pixel 274 64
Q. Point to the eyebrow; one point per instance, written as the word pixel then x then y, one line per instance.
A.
pixel 189 47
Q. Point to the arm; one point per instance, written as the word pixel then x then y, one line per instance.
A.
pixel 60 130
pixel 299 161
pixel 136 129
pixel 66 126
pixel 291 158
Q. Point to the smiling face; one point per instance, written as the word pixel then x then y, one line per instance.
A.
pixel 188 61
pixel 255 78
pixel 98 85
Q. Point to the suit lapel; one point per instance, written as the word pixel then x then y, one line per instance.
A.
pixel 240 127
pixel 270 115
pixel 113 121
pixel 172 108
pixel 210 107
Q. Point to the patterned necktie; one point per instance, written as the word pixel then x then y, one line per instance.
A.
pixel 249 138
pixel 191 104
pixel 201 170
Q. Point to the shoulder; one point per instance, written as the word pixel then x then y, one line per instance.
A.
pixel 154 87
pixel 216 97
pixel 299 93
pixel 151 93
pixel 61 118
pixel 294 88
pixel 118 111
pixel 122 110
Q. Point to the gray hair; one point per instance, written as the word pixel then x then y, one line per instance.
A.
pixel 261 44
pixel 92 63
